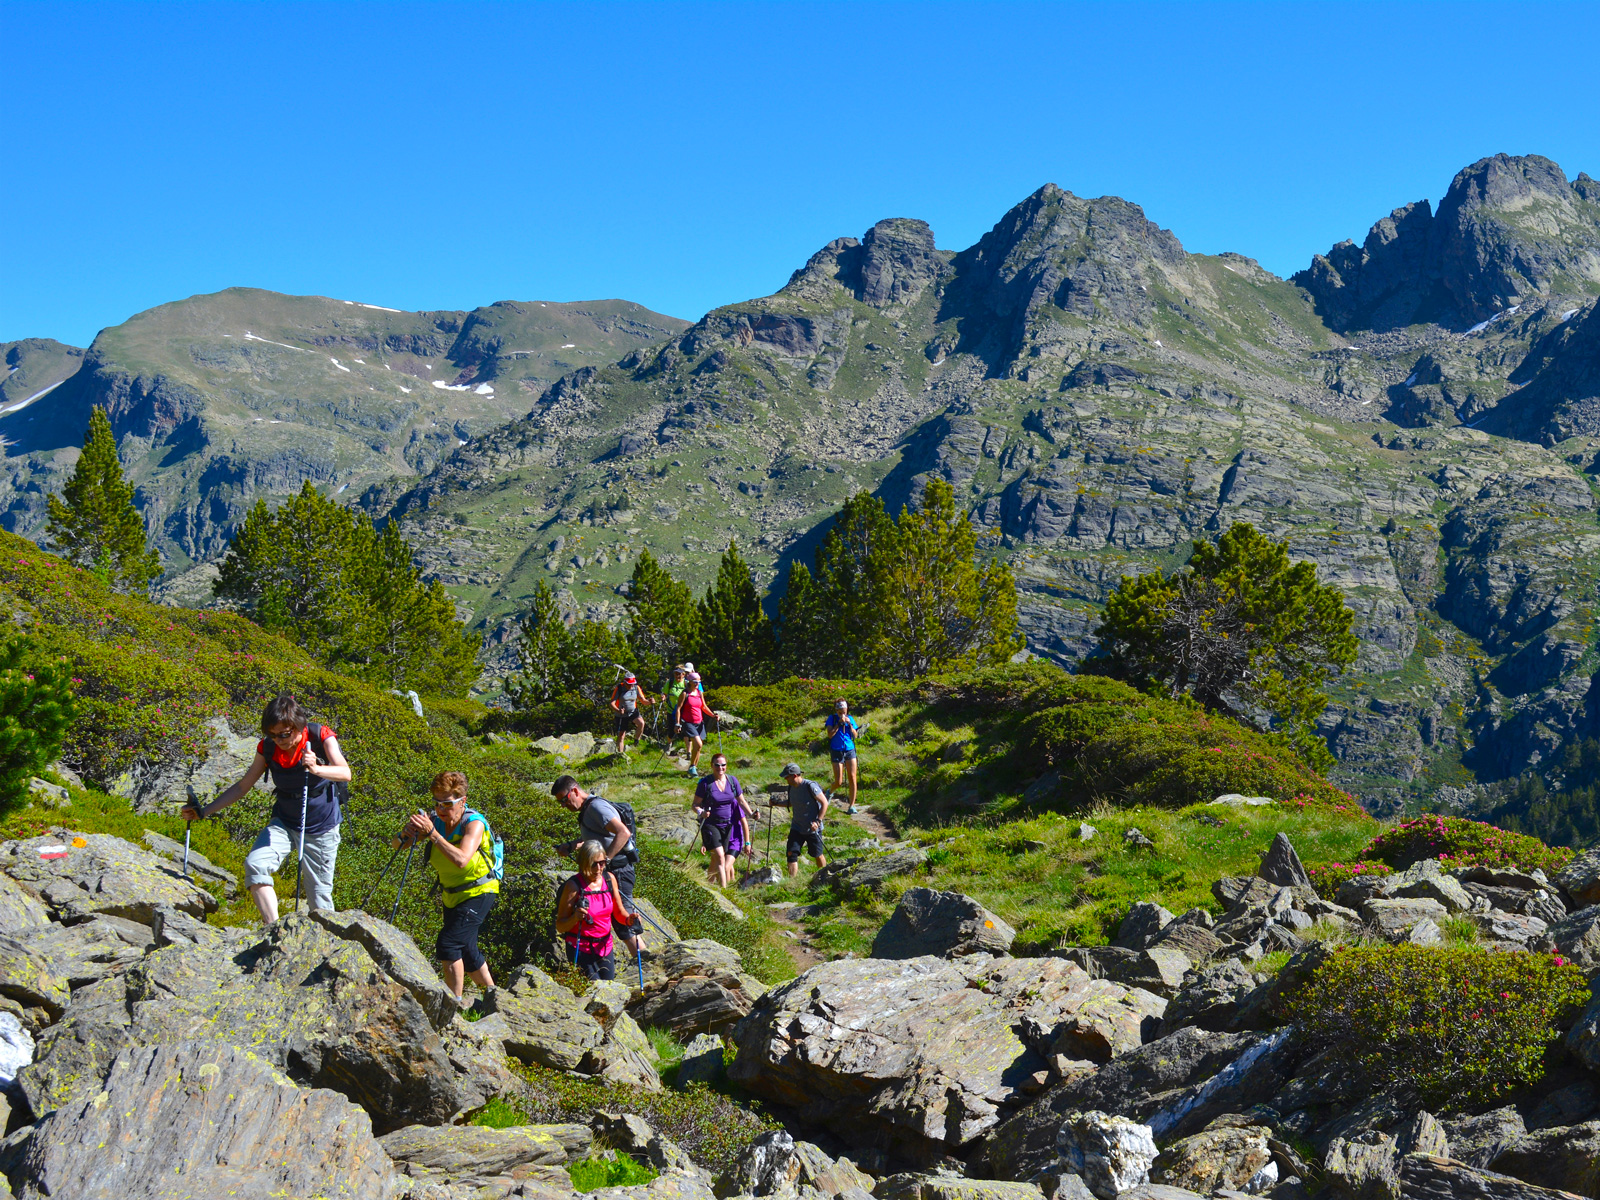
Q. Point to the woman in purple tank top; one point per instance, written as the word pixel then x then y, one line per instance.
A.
pixel 719 804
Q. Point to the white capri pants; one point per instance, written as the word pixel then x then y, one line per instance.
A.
pixel 277 841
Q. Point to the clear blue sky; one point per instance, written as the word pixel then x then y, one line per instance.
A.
pixel 685 156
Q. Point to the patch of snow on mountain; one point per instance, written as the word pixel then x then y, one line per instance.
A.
pixel 1569 314
pixel 340 365
pixel 450 387
pixel 250 337
pixel 484 389
pixel 21 404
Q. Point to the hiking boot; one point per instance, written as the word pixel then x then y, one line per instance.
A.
pixel 694 772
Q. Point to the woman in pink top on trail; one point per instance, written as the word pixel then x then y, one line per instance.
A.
pixel 584 910
pixel 692 721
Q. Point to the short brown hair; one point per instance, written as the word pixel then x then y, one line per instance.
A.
pixel 452 783
pixel 280 709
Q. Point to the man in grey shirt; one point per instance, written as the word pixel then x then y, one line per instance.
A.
pixel 807 804
pixel 599 821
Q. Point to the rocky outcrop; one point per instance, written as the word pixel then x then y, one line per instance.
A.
pixel 943 924
pixel 928 1053
pixel 1427 1177
pixel 472 1155
pixel 870 871
pixel 199 1118
pixel 79 875
pixel 695 985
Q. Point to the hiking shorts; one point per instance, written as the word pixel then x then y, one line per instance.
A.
pixel 808 841
pixel 716 837
pixel 459 937
pixel 595 966
pixel 842 756
pixel 274 845
pixel 626 721
pixel 692 729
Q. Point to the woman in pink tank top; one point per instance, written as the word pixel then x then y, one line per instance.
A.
pixel 584 911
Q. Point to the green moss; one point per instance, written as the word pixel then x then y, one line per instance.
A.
pixel 591 1174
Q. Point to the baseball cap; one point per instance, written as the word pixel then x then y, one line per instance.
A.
pixel 841 704
pixel 631 679
pixel 688 666
pixel 789 769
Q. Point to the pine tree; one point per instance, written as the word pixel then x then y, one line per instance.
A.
pixel 802 641
pixel 36 706
pixel 735 642
pixel 832 624
pixel 95 524
pixel 347 591
pixel 663 623
pixel 545 650
pixel 938 609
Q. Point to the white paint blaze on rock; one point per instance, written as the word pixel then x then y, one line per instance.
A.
pixel 1111 1154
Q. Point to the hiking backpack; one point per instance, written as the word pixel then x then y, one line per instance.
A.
pixel 625 811
pixel 493 846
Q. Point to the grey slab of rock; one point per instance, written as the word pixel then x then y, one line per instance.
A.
pixel 84 953
pixel 473 1151
pixel 1160 970
pixel 1110 1153
pixel 1443 888
pixel 29 978
pixel 767 1166
pixel 1580 878
pixel 199 864
pixel 947 924
pixel 1366 1168
pixel 701 1062
pixel 1425 932
pixel 923 1051
pixel 872 872
pixel 546 1024
pixel 762 877
pixel 1228 1157
pixel 635 1136
pixel 1529 933
pixel 1282 866
pixel 1479 1140
pixel 1235 800
pixel 1196 942
pixel 1210 996
pixel 1159 1191
pixel 201 1119
pixel 568 745
pixel 830 1176
pixel 477 1053
pixel 695 986
pixel 1393 919
pixel 20 908
pixel 1425 1177
pixel 103 874
pixel 1510 877
pixel 1566 1158
pixel 1087 832
pixel 945 1185
pixel 1140 927
pixel 309 1003
pixel 170 926
pixel 398 956
pixel 1578 938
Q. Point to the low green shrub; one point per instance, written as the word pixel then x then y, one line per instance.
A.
pixel 1327 878
pixel 1458 842
pixel 592 1174
pixel 498 1114
pixel 772 707
pixel 710 1126
pixel 36 707
pixel 1445 1025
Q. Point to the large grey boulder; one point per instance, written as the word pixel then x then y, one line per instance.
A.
pixel 768 1166
pixel 925 1052
pixel 1578 938
pixel 634 1135
pixel 399 958
pixel 1210 996
pixel 310 1004
pixel 1282 866
pixel 1227 1156
pixel 455 1154
pixel 189 1119
pixel 945 924
pixel 871 872
pixel 946 1185
pixel 1394 919
pixel 830 1176
pixel 1426 1177
pixel 701 1061
pixel 1111 1154
pixel 546 1025
pixel 77 875
pixel 1141 926
pixel 1566 1158
pixel 1365 1168
pixel 695 986
pixel 1580 879
pixel 27 977
pixel 570 746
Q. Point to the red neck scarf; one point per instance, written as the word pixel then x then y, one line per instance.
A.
pixel 292 756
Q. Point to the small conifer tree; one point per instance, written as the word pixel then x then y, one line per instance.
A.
pixel 35 709
pixel 94 523
pixel 735 635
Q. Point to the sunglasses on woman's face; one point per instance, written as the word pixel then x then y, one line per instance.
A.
pixel 288 735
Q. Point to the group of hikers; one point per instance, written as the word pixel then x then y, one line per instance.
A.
pixel 310 781
pixel 684 701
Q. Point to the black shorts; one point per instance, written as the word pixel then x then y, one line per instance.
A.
pixel 715 837
pixel 459 936
pixel 808 841
pixel 691 729
pixel 595 966
pixel 841 756
pixel 626 720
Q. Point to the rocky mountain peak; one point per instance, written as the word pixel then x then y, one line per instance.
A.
pixel 1087 257
pixel 891 265
pixel 1510 228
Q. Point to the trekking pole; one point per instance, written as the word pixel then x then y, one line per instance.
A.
pixel 403 876
pixel 186 827
pixel 381 876
pixel 769 829
pixel 300 866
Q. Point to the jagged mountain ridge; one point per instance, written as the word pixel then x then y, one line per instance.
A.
pixel 220 399
pixel 1100 397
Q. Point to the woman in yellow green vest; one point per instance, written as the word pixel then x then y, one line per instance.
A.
pixel 462 858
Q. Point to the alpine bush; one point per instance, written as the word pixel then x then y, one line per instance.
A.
pixel 1457 1026
pixel 36 706
pixel 1458 842
pixel 1327 878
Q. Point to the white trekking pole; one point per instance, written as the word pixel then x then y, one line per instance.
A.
pixel 300 867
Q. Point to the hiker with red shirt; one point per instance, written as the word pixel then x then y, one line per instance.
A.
pixel 310 776
pixel 692 721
